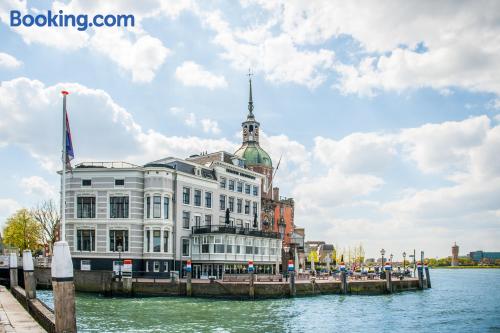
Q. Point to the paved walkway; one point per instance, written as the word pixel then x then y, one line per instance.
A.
pixel 15 318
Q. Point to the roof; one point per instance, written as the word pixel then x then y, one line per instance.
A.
pixel 254 155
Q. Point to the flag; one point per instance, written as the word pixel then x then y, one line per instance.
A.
pixel 69 144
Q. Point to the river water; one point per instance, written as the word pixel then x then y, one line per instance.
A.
pixel 463 300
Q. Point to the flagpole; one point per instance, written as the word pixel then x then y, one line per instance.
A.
pixel 63 175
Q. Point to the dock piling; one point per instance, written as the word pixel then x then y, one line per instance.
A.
pixel 63 288
pixel 343 279
pixel 388 277
pixel 291 272
pixel 13 270
pixel 427 275
pixel 29 275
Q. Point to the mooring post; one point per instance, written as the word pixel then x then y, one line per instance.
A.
pixel 189 290
pixel 388 277
pixel 291 271
pixel 420 276
pixel 343 278
pixel 427 275
pixel 63 289
pixel 13 270
pixel 29 275
pixel 251 286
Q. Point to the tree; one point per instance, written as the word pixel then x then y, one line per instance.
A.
pixel 48 217
pixel 22 231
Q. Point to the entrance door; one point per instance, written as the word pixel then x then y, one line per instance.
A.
pixel 196 271
pixel 218 270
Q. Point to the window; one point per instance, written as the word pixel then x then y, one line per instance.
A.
pixel 247 207
pixel 196 245
pixel 218 246
pixel 185 247
pixel 197 221
pixel 86 182
pixel 255 208
pixel 197 198
pixel 205 247
pixel 165 241
pixel 166 205
pixel 249 247
pixel 185 220
pixel 239 187
pixel 118 238
pixel 247 225
pixel 222 202
pixel 148 240
pixel 118 207
pixel 85 240
pixel 156 266
pixel 156 240
pixel 85 208
pixel 222 182
pixel 148 207
pixel 229 246
pixel 208 199
pixel 208 220
pixel 231 204
pixel 156 207
pixel 186 194
pixel 119 182
pixel 239 203
pixel 231 185
pixel 165 266
pixel 247 188
pixel 255 190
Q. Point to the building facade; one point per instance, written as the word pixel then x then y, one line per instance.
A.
pixel 166 212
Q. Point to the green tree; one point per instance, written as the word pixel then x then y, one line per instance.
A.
pixel 22 231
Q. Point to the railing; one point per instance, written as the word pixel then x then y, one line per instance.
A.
pixel 111 165
pixel 228 229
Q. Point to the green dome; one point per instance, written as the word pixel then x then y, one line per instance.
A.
pixel 254 155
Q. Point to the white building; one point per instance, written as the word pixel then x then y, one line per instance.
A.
pixel 166 212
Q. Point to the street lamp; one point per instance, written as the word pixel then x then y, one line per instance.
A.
pixel 391 256
pixel 382 252
pixel 404 262
pixel 120 248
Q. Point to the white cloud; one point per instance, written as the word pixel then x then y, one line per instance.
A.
pixel 97 123
pixel 210 126
pixel 192 74
pixel 7 207
pixel 190 120
pixel 8 61
pixel 142 57
pixel 276 56
pixel 38 186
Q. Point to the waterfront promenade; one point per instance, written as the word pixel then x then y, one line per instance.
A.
pixel 15 318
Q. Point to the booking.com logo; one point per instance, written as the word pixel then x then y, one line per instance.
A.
pixel 81 21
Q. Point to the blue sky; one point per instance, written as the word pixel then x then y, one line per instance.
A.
pixel 388 126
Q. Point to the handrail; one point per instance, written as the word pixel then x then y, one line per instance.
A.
pixel 228 229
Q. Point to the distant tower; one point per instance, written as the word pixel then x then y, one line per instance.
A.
pixel 256 158
pixel 454 255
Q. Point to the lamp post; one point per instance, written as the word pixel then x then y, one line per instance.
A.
pixel 120 248
pixel 404 262
pixel 391 256
pixel 382 252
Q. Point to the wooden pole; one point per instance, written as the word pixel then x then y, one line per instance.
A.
pixel 291 272
pixel 13 270
pixel 189 287
pixel 388 277
pixel 420 276
pixel 427 275
pixel 251 286
pixel 29 275
pixel 63 289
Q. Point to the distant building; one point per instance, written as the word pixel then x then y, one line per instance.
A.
pixel 480 256
pixel 454 255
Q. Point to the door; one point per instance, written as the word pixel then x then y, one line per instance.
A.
pixel 196 271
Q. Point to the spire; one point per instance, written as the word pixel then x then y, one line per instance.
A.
pixel 250 100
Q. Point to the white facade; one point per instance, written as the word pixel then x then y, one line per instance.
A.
pixel 164 213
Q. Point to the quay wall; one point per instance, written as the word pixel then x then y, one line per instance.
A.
pixel 102 282
pixel 41 313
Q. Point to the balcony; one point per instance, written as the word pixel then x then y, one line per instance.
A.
pixel 227 229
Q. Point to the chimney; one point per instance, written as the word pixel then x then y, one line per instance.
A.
pixel 276 193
